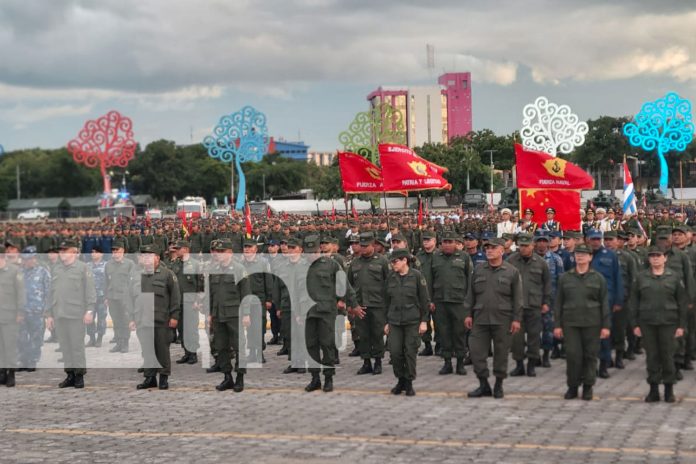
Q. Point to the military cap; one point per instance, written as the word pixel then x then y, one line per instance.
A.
pixel 540 235
pixel 400 237
pixel 635 232
pixel 366 238
pixel 311 243
pixel 29 252
pixel 487 235
pixel 450 235
pixel 505 210
pixel 354 238
pixel 382 242
pixel 601 210
pixel 428 234
pixel 69 243
pixel 664 232
pixel 182 244
pixel 507 236
pixel 273 242
pixel 610 234
pixel 622 235
pixel 681 228
pixel 98 249
pixel 529 211
pixel 224 244
pixel 118 244
pixel 10 244
pixel 249 242
pixel 654 250
pixel 294 242
pixel 611 210
pixel 582 248
pixel 555 234
pixel 550 210
pixel 594 234
pixel 495 241
pixel 470 236
pixel 399 254
pixel 524 239
pixel 149 249
pixel 328 239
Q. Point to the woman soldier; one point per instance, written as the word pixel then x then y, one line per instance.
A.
pixel 583 319
pixel 660 300
pixel 407 304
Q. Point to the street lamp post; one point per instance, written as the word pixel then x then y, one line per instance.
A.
pixel 492 166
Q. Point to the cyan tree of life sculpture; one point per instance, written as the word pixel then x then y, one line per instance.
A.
pixel 664 125
pixel 239 137
pixel 551 128
pixel 105 142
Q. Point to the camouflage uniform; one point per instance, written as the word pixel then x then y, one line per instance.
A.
pixel 37 282
pixel 98 326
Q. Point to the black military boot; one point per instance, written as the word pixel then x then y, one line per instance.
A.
pixel 193 358
pixel 428 350
pixel 467 359
pixel 571 394
pixel 531 368
pixel 227 383
pixel 184 359
pixel 68 382
pixel 587 394
pixel 79 381
pixel 460 369
pixel 91 343
pixel 688 365
pixel 637 349
pixel 315 384
pixel 116 348
pixel 377 369
pixel 518 371
pixel 498 388
pixel 337 359
pixel 124 346
pixel 654 395
pixel 678 373
pixel 438 349
pixel 283 351
pixel 214 368
pixel 98 342
pixel 274 340
pixel 669 393
pixel 366 368
pixel 164 382
pixel 355 353
pixel 328 384
pixel 149 382
pixel 3 376
pixel 630 354
pixel 556 353
pixel 545 359
pixel 603 372
pixel 408 388
pixel 399 387
pixel 290 370
pixel 239 383
pixel 10 381
pixel 446 367
pixel 484 389
pixel 618 360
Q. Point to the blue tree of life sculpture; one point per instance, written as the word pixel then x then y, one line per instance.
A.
pixel 239 137
pixel 664 125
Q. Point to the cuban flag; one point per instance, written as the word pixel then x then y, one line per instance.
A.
pixel 629 196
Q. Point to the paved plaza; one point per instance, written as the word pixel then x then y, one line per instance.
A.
pixel 275 421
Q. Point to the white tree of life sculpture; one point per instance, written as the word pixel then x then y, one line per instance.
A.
pixel 551 128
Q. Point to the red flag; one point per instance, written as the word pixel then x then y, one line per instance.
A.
pixel 147 219
pixel 269 213
pixel 333 211
pixel 358 175
pixel 539 170
pixel 247 220
pixel 565 202
pixel 354 211
pixel 420 212
pixel 285 215
pixel 184 225
pixel 404 170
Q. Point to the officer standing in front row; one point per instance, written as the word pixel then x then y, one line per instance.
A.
pixel 11 315
pixel 408 313
pixel 494 304
pixel 155 324
pixel 660 305
pixel 583 318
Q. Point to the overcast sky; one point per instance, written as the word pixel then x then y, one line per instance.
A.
pixel 176 66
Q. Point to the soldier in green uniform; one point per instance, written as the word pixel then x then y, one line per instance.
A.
pixel 368 276
pixel 118 274
pixel 155 322
pixel 12 299
pixel 536 285
pixel 228 287
pixel 659 300
pixel 260 278
pixel 681 240
pixel 424 256
pixel 583 318
pixel 408 310
pixel 494 305
pixel 328 288
pixel 451 276
pixel 73 298
pixel 191 285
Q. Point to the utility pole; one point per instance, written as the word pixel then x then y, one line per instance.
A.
pixel 19 187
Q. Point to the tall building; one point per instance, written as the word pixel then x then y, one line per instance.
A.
pixel 293 150
pixel 434 113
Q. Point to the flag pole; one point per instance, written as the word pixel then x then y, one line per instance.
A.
pixel 386 209
pixel 681 186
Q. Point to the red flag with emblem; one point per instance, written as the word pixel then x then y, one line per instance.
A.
pixel 404 170
pixel 539 170
pixel 247 220
pixel 358 175
pixel 420 212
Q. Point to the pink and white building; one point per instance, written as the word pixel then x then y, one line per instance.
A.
pixel 432 114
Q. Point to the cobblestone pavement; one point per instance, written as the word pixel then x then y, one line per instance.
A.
pixel 275 421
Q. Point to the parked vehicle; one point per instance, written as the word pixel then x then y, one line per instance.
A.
pixel 33 214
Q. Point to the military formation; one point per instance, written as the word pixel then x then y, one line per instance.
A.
pixel 470 288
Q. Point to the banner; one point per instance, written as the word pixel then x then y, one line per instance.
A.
pixel 539 170
pixel 565 202
pixel 404 170
pixel 358 175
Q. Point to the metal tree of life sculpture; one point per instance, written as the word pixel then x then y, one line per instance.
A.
pixel 105 142
pixel 664 125
pixel 382 124
pixel 239 137
pixel 551 128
